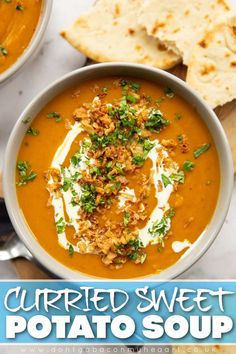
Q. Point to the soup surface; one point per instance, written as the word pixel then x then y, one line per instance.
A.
pixel 19 20
pixel 117 177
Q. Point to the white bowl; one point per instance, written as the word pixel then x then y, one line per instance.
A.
pixel 140 72
pixel 34 43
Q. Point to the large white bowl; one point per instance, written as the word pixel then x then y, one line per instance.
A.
pixel 139 72
pixel 34 43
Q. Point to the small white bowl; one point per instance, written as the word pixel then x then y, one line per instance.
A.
pixel 34 43
pixel 140 72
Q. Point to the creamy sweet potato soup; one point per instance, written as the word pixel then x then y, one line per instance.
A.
pixel 117 177
pixel 19 19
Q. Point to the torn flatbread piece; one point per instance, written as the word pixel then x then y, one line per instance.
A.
pixel 110 32
pixel 180 23
pixel 212 66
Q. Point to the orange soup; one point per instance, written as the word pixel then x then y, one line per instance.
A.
pixel 117 177
pixel 19 20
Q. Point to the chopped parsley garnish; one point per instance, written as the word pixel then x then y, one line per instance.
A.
pixel 95 171
pixel 3 51
pixel 159 101
pixel 169 92
pixel 156 120
pixel 25 173
pixel 138 160
pixel 178 177
pixel 88 198
pixel 148 145
pixel 188 165
pixel 135 86
pixel 119 168
pixel 160 228
pixel 60 225
pixel 71 250
pixel 126 218
pixel 20 7
pixel 76 158
pixel 180 138
pixel 197 153
pixel 26 120
pixel 55 115
pixel 32 131
pixel 178 116
pixel 131 99
pixel 166 180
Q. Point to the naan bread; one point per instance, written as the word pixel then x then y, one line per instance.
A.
pixel 212 66
pixel 180 23
pixel 203 349
pixel 110 32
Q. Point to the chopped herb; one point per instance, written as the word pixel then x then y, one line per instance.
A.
pixel 135 86
pixel 135 246
pixel 123 83
pixel 75 159
pixel 188 165
pixel 180 138
pixel 156 120
pixel 178 116
pixel 119 167
pixel 201 150
pixel 104 89
pixel 26 120
pixel 159 229
pixel 126 218
pixel 25 173
pixel 95 171
pixel 20 7
pixel 171 213
pixel 148 145
pixel 166 180
pixel 55 115
pixel 159 101
pixel 138 160
pixel 131 99
pixel 60 225
pixel 32 131
pixel 88 198
pixel 109 166
pixel 169 92
pixel 178 177
pixel 71 250
pixel 3 51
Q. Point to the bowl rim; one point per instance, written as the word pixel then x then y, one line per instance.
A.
pixel 33 44
pixel 64 272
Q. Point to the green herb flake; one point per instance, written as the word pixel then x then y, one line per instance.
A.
pixel 169 92
pixel 138 160
pixel 178 177
pixel 3 51
pixel 88 198
pixel 180 138
pixel 166 180
pixel 126 218
pixel 131 99
pixel 32 131
pixel 135 86
pixel 25 173
pixel 26 120
pixel 188 165
pixel 55 115
pixel 197 153
pixel 95 171
pixel 104 90
pixel 71 250
pixel 20 7
pixel 159 101
pixel 159 229
pixel 156 120
pixel 178 116
pixel 60 225
pixel 148 145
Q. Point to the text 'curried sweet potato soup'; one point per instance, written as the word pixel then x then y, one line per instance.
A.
pixel 19 19
pixel 118 177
